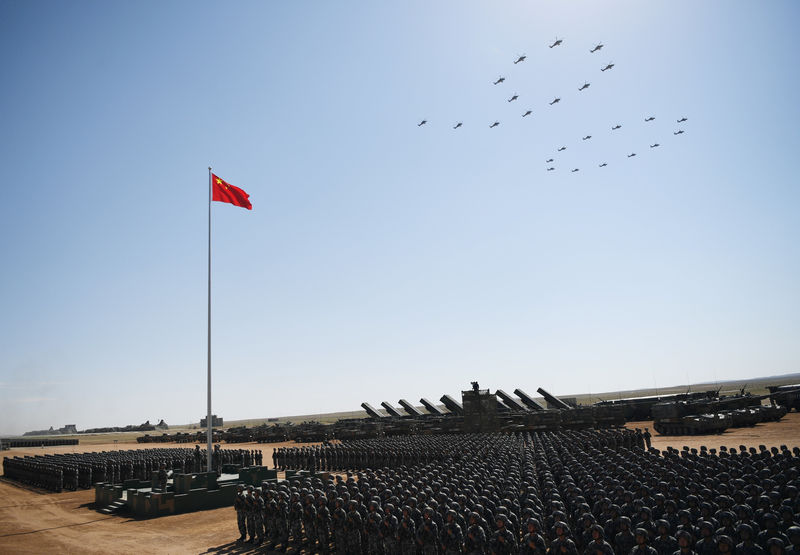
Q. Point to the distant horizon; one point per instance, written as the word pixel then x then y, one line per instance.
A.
pixel 782 377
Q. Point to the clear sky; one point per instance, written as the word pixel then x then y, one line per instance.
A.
pixel 383 260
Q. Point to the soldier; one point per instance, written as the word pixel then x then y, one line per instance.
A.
pixel 353 526
pixel 452 535
pixel 428 533
pixel 407 533
pixel 240 507
pixel 296 520
pixel 309 520
pixel 642 537
pixel 503 540
pixel 162 477
pixel 647 435
pixel 323 528
pixel 664 543
pixel 339 517
pixel 372 527
pixel 389 531
pixel 684 543
pixel 533 543
pixel 281 521
pixel 250 509
pixel 258 516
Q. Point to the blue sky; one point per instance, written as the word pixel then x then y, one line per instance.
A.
pixel 385 260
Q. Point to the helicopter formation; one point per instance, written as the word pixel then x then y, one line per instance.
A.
pixel 556 100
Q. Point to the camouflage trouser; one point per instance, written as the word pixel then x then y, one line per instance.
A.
pixel 429 549
pixel 269 528
pixel 340 539
pixel 241 520
pixel 408 547
pixel 391 546
pixel 373 544
pixel 282 531
pixel 296 528
pixel 251 524
pixel 258 519
pixel 311 531
pixel 324 537
pixel 354 542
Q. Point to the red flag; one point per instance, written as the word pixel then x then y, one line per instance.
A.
pixel 223 191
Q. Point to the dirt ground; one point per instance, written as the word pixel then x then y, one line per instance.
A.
pixel 32 521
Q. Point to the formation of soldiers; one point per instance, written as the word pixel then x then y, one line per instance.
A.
pixel 398 451
pixel 74 471
pixel 589 492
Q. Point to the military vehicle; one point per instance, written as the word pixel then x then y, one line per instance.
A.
pixel 682 418
pixel 788 395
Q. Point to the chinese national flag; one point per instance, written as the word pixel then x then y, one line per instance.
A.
pixel 223 191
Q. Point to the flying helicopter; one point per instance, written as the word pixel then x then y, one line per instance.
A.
pixel 529 112
pixel 631 155
pixel 548 161
pixel 556 43
pixel 500 80
pixel 587 137
pixel 655 145
pixel 682 120
pixel 520 59
pixel 555 101
pixel 618 126
pixel 563 148
pixel 603 165
pixel 596 48
pixel 585 86
pixel 651 118
pixel 608 66
pixel 495 124
pixel 550 169
pixel 459 124
pixel 575 170
pixel 513 98
pixel 423 122
pixel 678 132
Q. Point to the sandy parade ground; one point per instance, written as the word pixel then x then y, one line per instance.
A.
pixel 33 521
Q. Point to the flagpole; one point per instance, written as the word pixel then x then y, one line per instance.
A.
pixel 208 414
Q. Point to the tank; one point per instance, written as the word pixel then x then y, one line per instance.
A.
pixel 680 418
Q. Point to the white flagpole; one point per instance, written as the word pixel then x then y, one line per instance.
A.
pixel 208 415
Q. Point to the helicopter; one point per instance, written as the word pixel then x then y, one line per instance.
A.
pixel 550 169
pixel 596 48
pixel 608 66
pixel 682 120
pixel 423 122
pixel 562 149
pixel 495 124
pixel 513 98
pixel 655 145
pixel 631 155
pixel 520 59
pixel 585 86
pixel 587 137
pixel 500 80
pixel 603 165
pixel 678 132
pixel 459 124
pixel 651 118
pixel 618 126
pixel 556 43
pixel 548 161
pixel 575 170
pixel 555 101
pixel 529 112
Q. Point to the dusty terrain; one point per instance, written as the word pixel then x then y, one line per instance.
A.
pixel 34 522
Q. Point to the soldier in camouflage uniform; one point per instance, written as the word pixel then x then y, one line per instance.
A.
pixel 388 531
pixel 339 518
pixel 372 527
pixel 309 521
pixel 452 535
pixel 428 533
pixel 475 540
pixel 282 521
pixel 296 520
pixel 353 526
pixel 407 533
pixel 241 514
pixel 250 512
pixel 258 516
pixel 323 528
